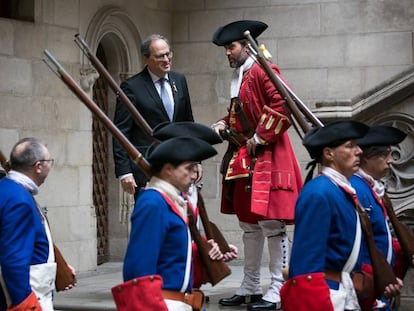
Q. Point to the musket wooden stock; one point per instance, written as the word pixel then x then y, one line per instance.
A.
pixel 210 228
pixel 4 163
pixel 81 94
pixel 383 274
pixel 216 269
pixel 403 233
pixel 212 231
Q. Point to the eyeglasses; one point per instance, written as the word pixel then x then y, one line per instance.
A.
pixel 52 161
pixel 162 56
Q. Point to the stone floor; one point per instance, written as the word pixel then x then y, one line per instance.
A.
pixel 93 293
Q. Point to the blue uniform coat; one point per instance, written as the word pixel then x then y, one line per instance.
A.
pixel 325 227
pixel 158 242
pixel 23 240
pixel 376 216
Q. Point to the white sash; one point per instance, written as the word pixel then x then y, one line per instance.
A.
pixel 42 276
pixel 42 281
pixel 175 305
pixel 345 297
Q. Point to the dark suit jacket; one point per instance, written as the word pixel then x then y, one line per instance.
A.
pixel 141 91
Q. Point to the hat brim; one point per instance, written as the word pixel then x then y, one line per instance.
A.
pixel 332 135
pixel 235 31
pixel 381 135
pixel 169 130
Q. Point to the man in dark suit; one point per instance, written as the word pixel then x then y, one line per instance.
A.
pixel 157 101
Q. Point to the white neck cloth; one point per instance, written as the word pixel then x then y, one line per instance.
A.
pixel 237 77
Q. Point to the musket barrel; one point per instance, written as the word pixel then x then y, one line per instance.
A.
pixel 294 111
pixel 52 59
pixel 302 107
pixel 114 86
pixel 81 94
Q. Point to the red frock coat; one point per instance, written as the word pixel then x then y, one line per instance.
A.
pixel 276 179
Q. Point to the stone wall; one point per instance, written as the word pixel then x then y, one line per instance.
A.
pixel 34 102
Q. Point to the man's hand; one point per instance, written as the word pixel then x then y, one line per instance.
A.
pixel 232 254
pixel 214 252
pixel 70 286
pixel 199 170
pixel 128 184
pixel 393 290
pixel 251 146
pixel 217 127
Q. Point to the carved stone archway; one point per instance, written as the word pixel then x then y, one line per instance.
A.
pixel 114 35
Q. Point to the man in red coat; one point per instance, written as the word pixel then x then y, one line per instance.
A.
pixel 261 177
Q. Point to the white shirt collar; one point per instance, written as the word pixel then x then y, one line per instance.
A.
pixel 155 78
pixel 24 180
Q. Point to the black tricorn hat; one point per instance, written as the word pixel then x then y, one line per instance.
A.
pixel 332 135
pixel 381 135
pixel 167 130
pixel 235 31
pixel 178 150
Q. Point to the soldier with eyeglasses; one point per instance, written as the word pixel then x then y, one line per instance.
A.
pixel 28 268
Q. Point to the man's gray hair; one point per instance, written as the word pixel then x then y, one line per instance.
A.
pixel 26 152
pixel 146 44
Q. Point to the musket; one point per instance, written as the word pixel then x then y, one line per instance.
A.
pixel 216 269
pixel 3 162
pixel 403 233
pixel 113 85
pixel 383 273
pixel 212 231
pixel 81 94
pixel 210 228
pixel 297 109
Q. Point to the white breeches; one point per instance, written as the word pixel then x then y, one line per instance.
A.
pixel 253 240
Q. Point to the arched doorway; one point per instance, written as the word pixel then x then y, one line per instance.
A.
pixel 100 164
pixel 114 39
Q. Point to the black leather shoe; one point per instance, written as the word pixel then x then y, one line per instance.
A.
pixel 237 300
pixel 263 305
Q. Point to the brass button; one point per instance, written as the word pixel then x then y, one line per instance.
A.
pixel 294 282
pixel 309 278
pixel 134 281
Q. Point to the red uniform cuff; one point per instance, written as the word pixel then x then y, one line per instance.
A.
pixel 308 292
